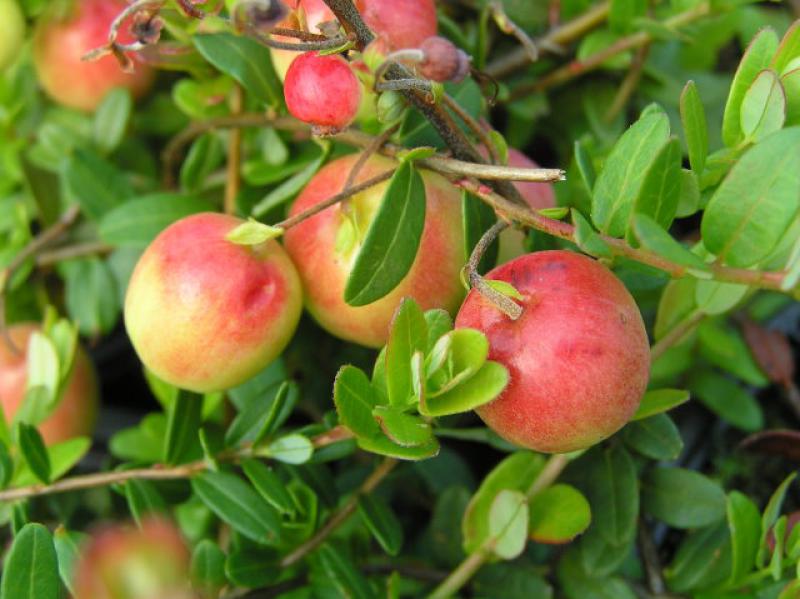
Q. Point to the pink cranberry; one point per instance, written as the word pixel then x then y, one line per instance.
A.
pixel 443 61
pixel 322 91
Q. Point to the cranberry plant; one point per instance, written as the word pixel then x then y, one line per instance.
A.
pixel 379 155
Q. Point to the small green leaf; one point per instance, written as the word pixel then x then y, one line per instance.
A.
pixel 788 50
pixel 585 165
pixel 695 129
pixel 756 58
pixel 94 183
pixel 728 400
pixel 291 449
pixel 763 108
pixel 236 503
pixel 770 515
pixel 269 486
pixel 244 59
pixel 208 568
pixel 661 186
pixel 382 523
pixel 204 156
pixel 183 422
pixel 342 575
pixel 703 559
pixel 508 523
pixel 253 232
pixel 713 297
pixel 6 465
pixel 390 246
pixel 355 399
pixel 791 86
pixel 558 514
pixel 143 499
pixel 655 437
pixel 382 445
pixel 682 498
pixel 404 429
pixel 587 238
pixel 30 570
pixel 253 567
pixel 482 387
pixel 67 544
pixel 111 118
pixel 660 400
pixel 505 288
pixel 465 352
pixel 516 472
pixel 620 182
pixel 408 335
pixel 653 237
pixel 744 522
pixel 34 451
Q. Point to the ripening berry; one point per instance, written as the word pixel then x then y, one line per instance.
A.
pixel 322 91
pixel 443 61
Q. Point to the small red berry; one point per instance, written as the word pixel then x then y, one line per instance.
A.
pixel 443 61
pixel 323 91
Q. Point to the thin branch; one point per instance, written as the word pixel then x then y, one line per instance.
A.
pixel 502 302
pixel 562 230
pixel 576 68
pixel 340 516
pixel 556 38
pixel 508 26
pixel 474 126
pixel 375 145
pixel 335 199
pixel 302 46
pixel 70 252
pixel 233 167
pixel 156 472
pixel 628 85
pixel 652 564
pixel 306 36
pixel 676 334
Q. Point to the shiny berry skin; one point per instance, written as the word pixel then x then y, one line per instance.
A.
pixel 322 91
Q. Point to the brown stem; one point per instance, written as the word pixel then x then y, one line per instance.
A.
pixel 156 472
pixel 232 178
pixel 652 564
pixel 303 46
pixel 562 230
pixel 375 145
pixel 628 85
pixel 502 302
pixel 675 335
pixel 341 515
pixel 508 26
pixel 576 68
pixel 474 126
pixel 70 252
pixel 561 35
pixel 339 197
pixel 306 36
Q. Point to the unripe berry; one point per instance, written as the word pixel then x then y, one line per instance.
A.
pixel 578 357
pixel 322 91
pixel 12 32
pixel 443 61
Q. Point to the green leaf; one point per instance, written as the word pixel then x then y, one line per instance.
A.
pixel 204 156
pixel 30 570
pixel 43 371
pixel 111 119
pixel 6 465
pixel 95 184
pixel 252 567
pixel 34 452
pixel 67 544
pixel 770 515
pixel 516 473
pixel 291 449
pixel 355 398
pixel 517 581
pixel 682 498
pixel 558 514
pixel 744 523
pixel 791 85
pixel 508 523
pixel 404 429
pixel 660 400
pixel 91 295
pixel 620 182
pixel 342 575
pixel 208 568
pixel 181 443
pixel 661 187
pixel 728 400
pixel 236 503
pixel 587 239
pixel 585 165
pixel 269 486
pixel 788 50
pixel 695 129
pixel 723 345
pixel 482 387
pixel 143 499
pixel 382 445
pixel 477 218
pixel 756 58
pixel 612 489
pixel 702 560
pixel 408 335
pixel 390 246
pixel 653 237
pixel 382 522
pixel 763 108
pixel 253 232
pixel 713 297
pixel 244 59
pixel 456 357
pixel 439 322
pixel 655 437
pixel 143 443
pixel 137 222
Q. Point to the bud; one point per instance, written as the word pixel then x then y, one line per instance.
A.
pixel 390 107
pixel 259 15
pixel 442 60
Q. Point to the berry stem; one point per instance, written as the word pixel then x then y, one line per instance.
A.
pixel 232 177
